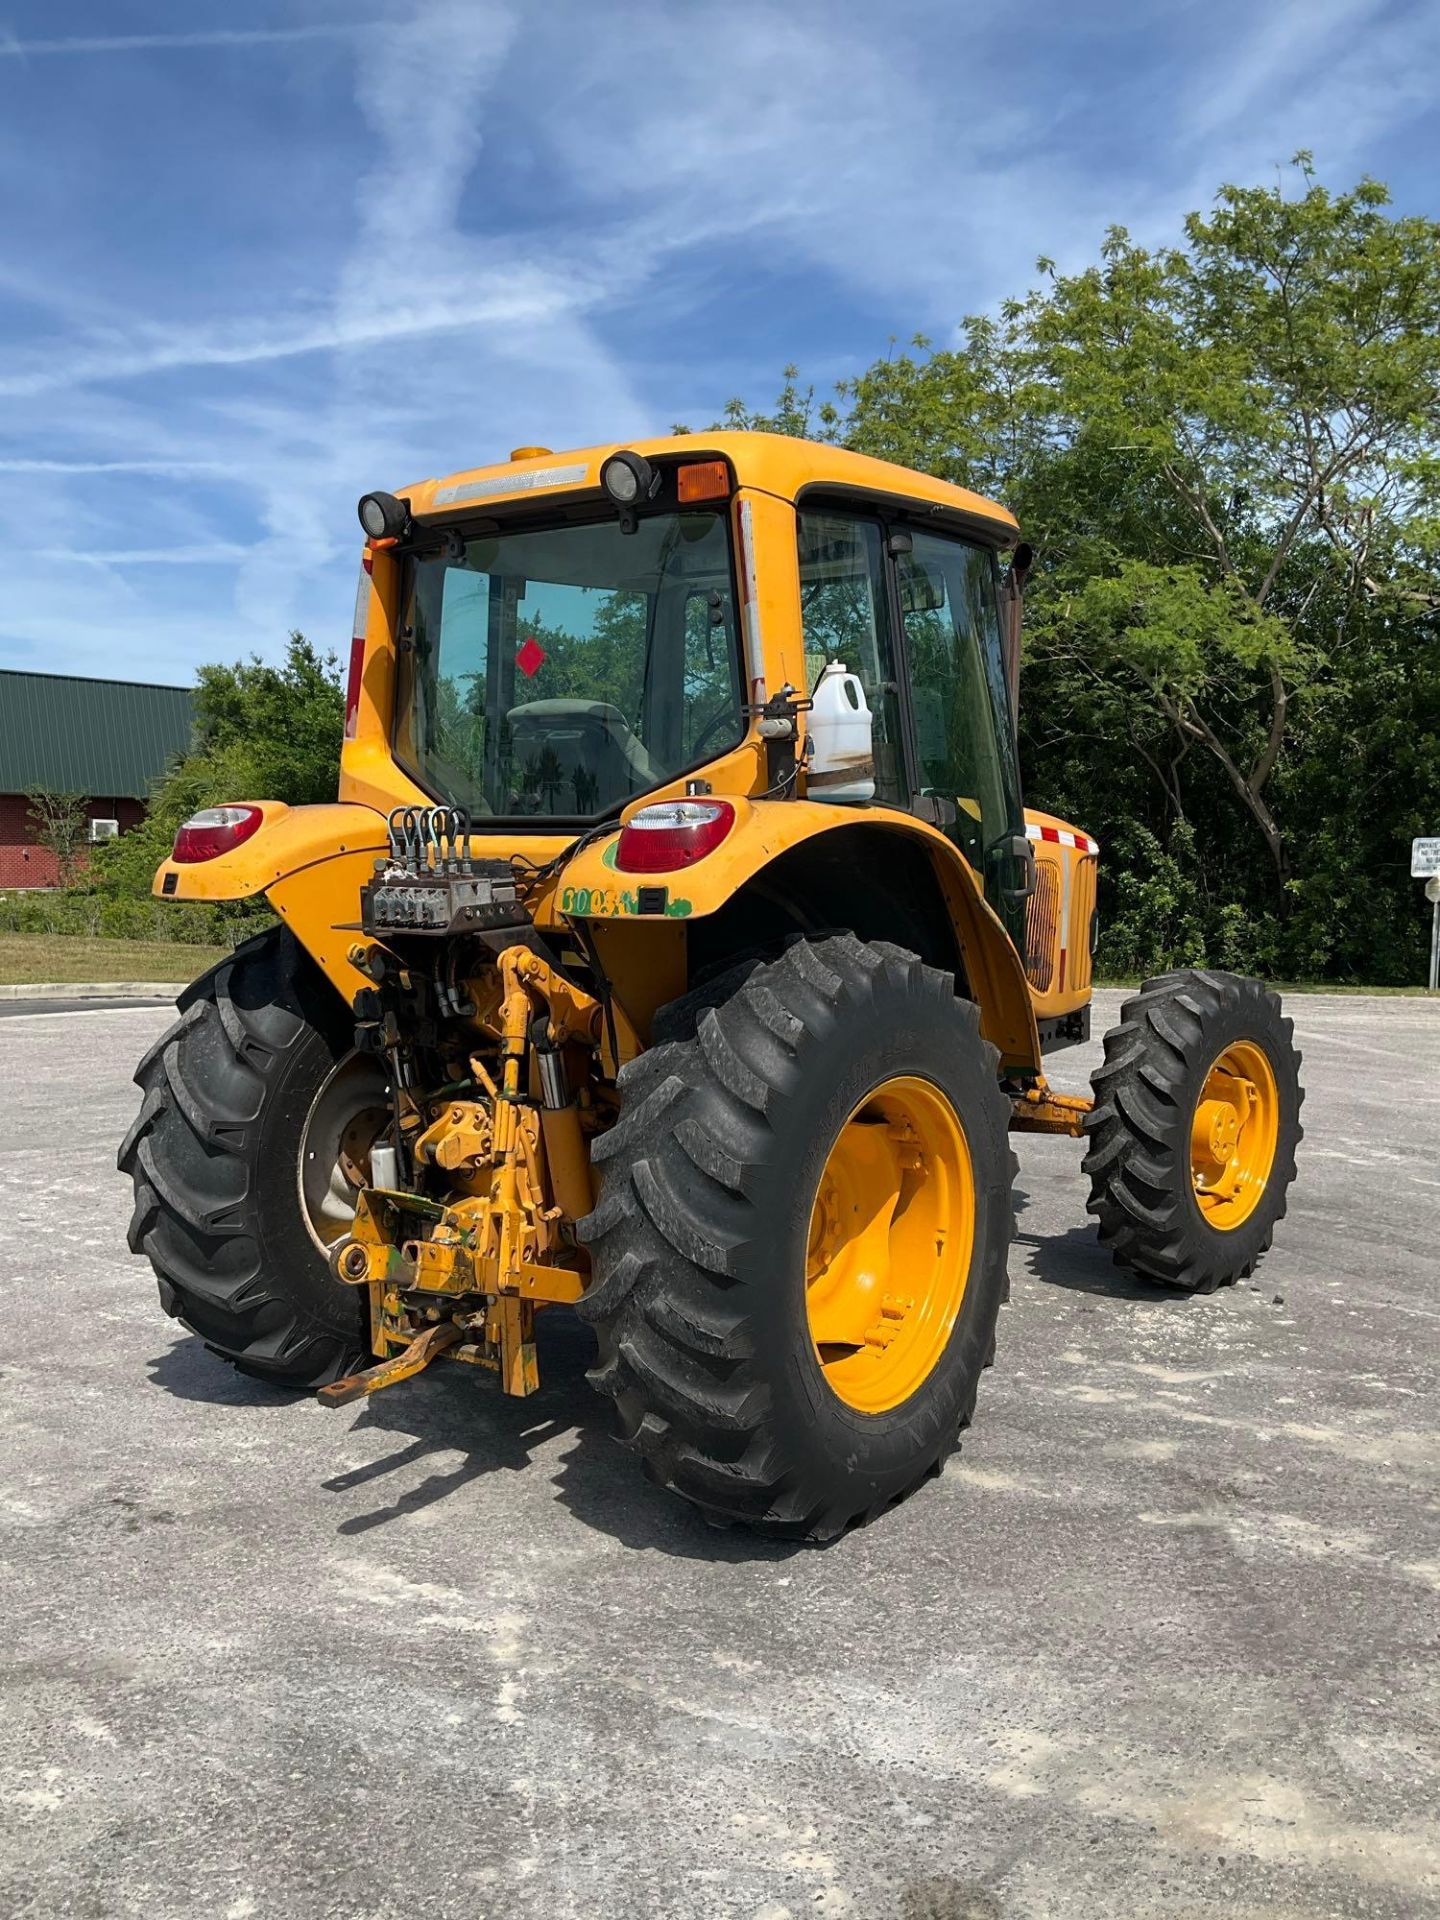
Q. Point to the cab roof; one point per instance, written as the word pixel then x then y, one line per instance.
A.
pixel 767 462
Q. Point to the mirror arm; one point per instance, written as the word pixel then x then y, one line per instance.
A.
pixel 1019 848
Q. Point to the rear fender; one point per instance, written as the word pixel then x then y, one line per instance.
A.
pixel 592 889
pixel 310 863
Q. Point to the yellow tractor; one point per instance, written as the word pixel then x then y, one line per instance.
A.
pixel 679 949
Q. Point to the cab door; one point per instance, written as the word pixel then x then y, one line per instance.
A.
pixel 961 727
pixel 847 610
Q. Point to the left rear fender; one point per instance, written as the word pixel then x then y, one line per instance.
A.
pixel 309 862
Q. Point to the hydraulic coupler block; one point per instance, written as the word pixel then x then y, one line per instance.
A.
pixel 429 882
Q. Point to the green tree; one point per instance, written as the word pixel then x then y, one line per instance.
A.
pixel 261 733
pixel 1273 385
pixel 795 412
pixel 1227 452
pixel 60 821
pixel 276 728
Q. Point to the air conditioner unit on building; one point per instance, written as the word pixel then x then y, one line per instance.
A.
pixel 104 830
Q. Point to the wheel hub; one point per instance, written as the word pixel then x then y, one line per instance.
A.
pixel 1233 1135
pixel 346 1118
pixel 892 1228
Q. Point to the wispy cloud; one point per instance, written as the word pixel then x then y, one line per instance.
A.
pixel 518 296
pixel 1283 48
pixel 12 48
pixel 483 223
pixel 177 468
pixel 219 553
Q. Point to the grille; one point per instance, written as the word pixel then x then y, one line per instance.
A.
pixel 1042 927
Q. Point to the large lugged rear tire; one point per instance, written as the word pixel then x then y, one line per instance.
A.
pixel 1194 1129
pixel 750 1142
pixel 215 1158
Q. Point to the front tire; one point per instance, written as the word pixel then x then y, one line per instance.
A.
pixel 1194 1129
pixel 713 1236
pixel 215 1156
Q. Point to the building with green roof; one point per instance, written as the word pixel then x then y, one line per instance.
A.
pixel 109 740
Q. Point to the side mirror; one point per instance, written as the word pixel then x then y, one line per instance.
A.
pixel 920 591
pixel 1017 847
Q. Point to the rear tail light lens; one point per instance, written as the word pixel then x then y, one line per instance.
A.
pixel 671 834
pixel 206 835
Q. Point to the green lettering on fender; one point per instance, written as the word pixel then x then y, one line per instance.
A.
pixel 604 903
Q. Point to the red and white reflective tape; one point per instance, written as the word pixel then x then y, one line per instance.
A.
pixel 357 648
pixel 1062 837
pixel 1082 843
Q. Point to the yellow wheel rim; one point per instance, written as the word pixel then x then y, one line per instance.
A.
pixel 892 1228
pixel 1234 1135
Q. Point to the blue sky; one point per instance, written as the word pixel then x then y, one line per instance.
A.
pixel 257 259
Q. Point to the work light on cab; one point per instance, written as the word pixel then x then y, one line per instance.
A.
pixel 671 834
pixel 216 830
pixel 629 479
pixel 383 516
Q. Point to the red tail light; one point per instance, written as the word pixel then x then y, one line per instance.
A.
pixel 671 834
pixel 217 830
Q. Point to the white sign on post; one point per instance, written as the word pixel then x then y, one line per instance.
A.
pixel 1425 865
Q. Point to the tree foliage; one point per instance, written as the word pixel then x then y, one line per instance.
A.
pixel 261 733
pixel 1227 454
pixel 60 822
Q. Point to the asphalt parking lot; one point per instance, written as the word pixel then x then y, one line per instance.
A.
pixel 1162 1641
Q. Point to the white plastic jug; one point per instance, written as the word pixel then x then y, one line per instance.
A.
pixel 841 764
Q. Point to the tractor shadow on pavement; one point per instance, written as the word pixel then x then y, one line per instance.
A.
pixel 1076 1261
pixel 562 1433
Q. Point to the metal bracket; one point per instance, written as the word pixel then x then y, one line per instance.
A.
pixel 1041 1110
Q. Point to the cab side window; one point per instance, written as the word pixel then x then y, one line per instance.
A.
pixel 711 687
pixel 964 748
pixel 845 613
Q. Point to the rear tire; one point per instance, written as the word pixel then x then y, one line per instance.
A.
pixel 215 1156
pixel 1143 1191
pixel 699 1239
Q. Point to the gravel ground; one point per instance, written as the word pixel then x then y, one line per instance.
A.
pixel 1161 1642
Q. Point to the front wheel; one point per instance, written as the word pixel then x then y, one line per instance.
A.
pixel 800 1245
pixel 1194 1129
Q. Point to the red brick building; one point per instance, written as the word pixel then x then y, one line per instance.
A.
pixel 109 740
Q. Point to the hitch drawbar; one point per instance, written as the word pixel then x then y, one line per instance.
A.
pixel 400 1366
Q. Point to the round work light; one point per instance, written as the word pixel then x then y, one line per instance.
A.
pixel 629 478
pixel 383 516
